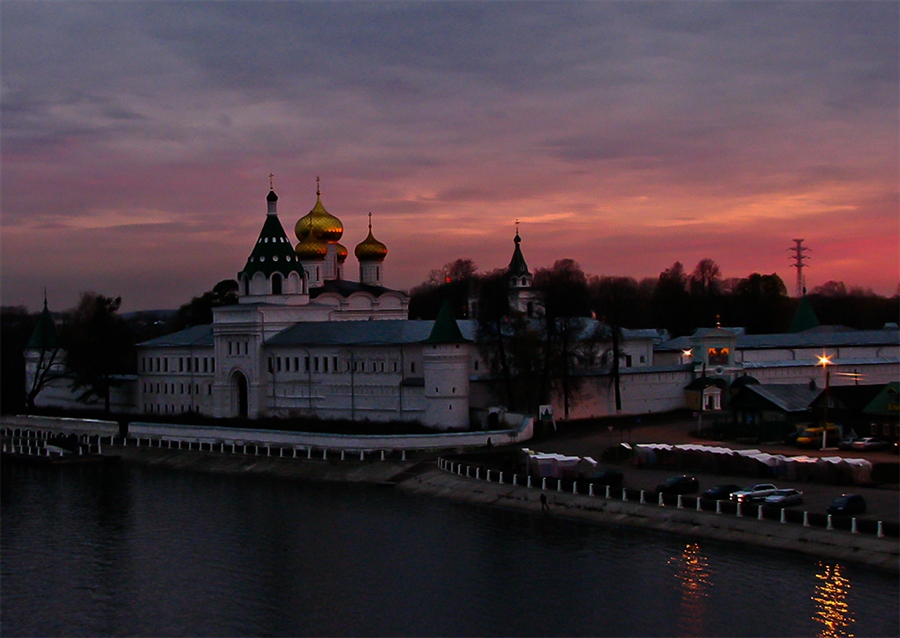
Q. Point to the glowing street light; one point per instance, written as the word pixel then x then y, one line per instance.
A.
pixel 825 361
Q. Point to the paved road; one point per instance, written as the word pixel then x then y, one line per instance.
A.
pixel 883 502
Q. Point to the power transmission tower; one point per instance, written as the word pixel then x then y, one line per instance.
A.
pixel 798 249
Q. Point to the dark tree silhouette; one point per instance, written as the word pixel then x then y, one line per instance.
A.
pixel 98 347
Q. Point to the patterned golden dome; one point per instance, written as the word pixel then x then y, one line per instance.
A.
pixel 370 249
pixel 341 253
pixel 320 222
pixel 311 249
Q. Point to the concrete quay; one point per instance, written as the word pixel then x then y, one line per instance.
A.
pixel 833 544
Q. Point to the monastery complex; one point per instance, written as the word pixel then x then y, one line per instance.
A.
pixel 306 340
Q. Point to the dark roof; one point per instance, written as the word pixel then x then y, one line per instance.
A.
pixel 809 339
pixel 517 265
pixel 353 333
pixel 445 328
pixel 45 335
pixel 273 251
pixel 346 288
pixel 701 383
pixel 887 402
pixel 850 397
pixel 194 336
pixel 788 397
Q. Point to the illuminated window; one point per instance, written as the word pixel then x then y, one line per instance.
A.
pixel 718 356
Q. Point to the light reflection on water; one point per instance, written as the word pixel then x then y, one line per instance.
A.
pixel 142 551
pixel 832 609
pixel 694 577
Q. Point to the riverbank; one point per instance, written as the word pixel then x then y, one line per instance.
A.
pixel 420 475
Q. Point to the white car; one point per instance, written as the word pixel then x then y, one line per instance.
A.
pixel 753 493
pixel 785 497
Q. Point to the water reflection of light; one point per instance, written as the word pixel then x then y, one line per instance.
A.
pixel 830 597
pixel 693 574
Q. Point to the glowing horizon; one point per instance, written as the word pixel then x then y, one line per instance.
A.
pixel 625 136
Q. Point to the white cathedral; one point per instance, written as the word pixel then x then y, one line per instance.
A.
pixel 303 340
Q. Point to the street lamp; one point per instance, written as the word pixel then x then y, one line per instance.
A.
pixel 825 361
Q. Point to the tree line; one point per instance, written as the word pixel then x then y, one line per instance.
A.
pixel 678 300
pixel 547 354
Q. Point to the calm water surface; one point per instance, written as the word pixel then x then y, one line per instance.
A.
pixel 136 551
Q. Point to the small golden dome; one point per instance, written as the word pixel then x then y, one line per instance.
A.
pixel 311 249
pixel 370 249
pixel 341 253
pixel 320 222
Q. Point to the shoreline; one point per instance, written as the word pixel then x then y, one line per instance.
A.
pixel 421 476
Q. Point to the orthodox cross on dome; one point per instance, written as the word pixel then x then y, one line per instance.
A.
pixel 318 190
pixel 517 227
pixel 271 181
pixel 370 221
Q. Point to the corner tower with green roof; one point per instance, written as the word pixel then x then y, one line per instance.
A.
pixel 446 357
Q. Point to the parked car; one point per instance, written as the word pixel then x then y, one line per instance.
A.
pixel 870 444
pixel 847 443
pixel 679 485
pixel 753 493
pixel 847 504
pixel 812 437
pixel 720 492
pixel 785 497
pixel 613 478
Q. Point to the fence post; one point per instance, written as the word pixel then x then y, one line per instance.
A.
pixel 853 529
pixel 477 472
pixel 739 513
pixel 590 489
pixel 679 505
pixel 829 525
pixel 529 480
pixel 544 483
pixel 574 487
pixel 624 494
pixel 806 519
pixel 783 517
pixel 559 485
pixel 488 478
pixel 659 501
pixel 643 498
pixel 880 530
pixel 501 478
pixel 699 507
pixel 403 455
pixel 608 495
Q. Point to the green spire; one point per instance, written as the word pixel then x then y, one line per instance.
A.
pixel 805 318
pixel 445 329
pixel 45 335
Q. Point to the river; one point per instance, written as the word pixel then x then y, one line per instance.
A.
pixel 127 550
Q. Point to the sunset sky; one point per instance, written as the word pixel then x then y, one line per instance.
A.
pixel 137 138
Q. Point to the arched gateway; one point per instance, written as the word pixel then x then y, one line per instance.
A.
pixel 239 395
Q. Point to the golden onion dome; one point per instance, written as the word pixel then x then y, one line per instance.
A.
pixel 320 222
pixel 341 253
pixel 370 249
pixel 311 249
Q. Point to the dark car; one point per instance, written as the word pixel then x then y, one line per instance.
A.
pixel 679 485
pixel 720 492
pixel 613 478
pixel 847 504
